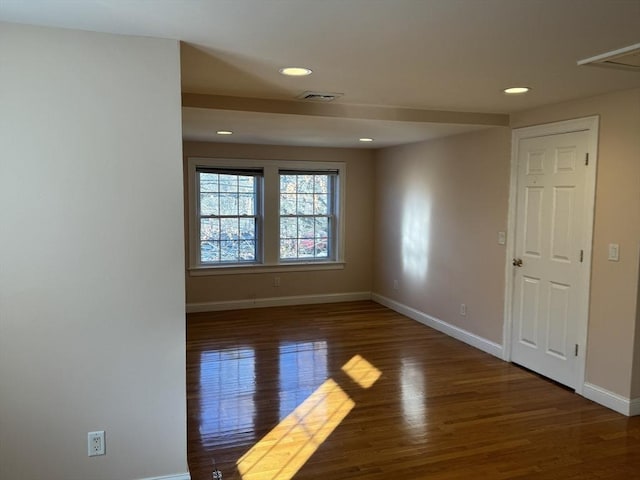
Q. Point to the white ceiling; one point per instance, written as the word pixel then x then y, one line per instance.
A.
pixel 418 54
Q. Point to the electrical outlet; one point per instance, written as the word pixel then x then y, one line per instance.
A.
pixel 395 285
pixel 463 309
pixel 95 443
pixel 276 281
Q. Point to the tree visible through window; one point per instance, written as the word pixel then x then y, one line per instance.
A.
pixel 306 215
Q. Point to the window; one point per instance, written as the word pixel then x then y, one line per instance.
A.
pixel 228 220
pixel 306 215
pixel 261 215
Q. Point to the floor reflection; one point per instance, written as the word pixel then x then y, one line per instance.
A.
pixel 234 399
pixel 413 396
pixel 228 383
pixel 303 368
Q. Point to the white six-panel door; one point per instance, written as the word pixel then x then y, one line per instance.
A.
pixel 549 248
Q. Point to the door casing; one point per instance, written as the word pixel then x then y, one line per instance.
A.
pixel 590 125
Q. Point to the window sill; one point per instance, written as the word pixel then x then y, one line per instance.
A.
pixel 279 268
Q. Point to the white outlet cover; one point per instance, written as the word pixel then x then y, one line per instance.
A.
pixel 502 238
pixel 95 443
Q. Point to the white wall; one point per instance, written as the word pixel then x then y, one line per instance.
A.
pixel 92 331
pixel 439 207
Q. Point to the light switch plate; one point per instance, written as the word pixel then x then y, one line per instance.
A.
pixel 502 238
pixel 614 252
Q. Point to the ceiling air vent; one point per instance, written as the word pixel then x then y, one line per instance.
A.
pixel 627 58
pixel 319 96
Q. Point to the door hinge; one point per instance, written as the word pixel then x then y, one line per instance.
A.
pixel 581 256
pixel 576 351
pixel 586 159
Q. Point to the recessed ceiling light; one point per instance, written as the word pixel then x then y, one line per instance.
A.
pixel 295 71
pixel 516 90
pixel 365 139
pixel 224 132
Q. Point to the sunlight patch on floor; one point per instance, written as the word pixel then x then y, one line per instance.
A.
pixel 284 450
pixel 281 453
pixel 361 371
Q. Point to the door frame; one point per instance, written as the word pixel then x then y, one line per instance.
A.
pixel 590 125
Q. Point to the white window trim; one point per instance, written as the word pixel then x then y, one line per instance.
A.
pixel 270 239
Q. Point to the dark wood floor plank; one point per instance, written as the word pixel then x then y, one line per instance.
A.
pixel 439 410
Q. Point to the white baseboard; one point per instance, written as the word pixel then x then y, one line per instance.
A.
pixel 277 301
pixel 618 403
pixel 472 339
pixel 177 476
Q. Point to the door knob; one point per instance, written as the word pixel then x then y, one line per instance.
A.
pixel 517 262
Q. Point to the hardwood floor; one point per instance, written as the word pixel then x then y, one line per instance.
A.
pixel 357 391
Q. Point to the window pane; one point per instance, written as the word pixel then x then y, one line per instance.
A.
pixel 246 184
pixel 321 204
pixel 228 204
pixel 246 204
pixel 209 229
pixel 321 184
pixel 288 183
pixel 229 251
pixel 229 229
pixel 248 229
pixel 287 204
pixel 322 247
pixel 288 227
pixel 289 248
pixel 306 227
pixel 305 183
pixel 228 183
pixel 208 182
pixel 209 252
pixel 306 247
pixel 208 204
pixel 247 250
pixel 322 226
pixel 305 204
